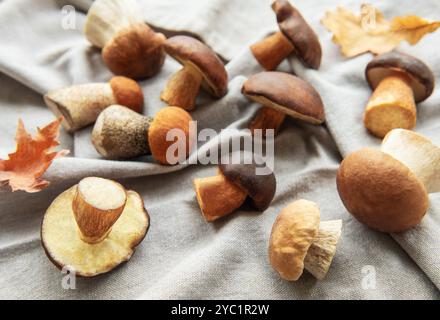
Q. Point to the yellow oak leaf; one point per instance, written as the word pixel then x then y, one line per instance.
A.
pixel 371 32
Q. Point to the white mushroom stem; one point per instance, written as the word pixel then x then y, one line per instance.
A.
pixel 267 118
pixel 182 88
pixel 218 197
pixel 120 133
pixel 418 153
pixel 271 51
pixel 80 105
pixel 107 17
pixel 97 205
pixel 391 106
pixel 320 254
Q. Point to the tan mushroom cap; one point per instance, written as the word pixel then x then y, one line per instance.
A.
pixel 381 191
pixel 190 51
pixel 63 245
pixel 422 78
pixel 298 32
pixel 293 232
pixel 286 93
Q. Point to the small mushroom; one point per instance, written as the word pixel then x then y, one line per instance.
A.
pixel 388 189
pixel 94 226
pixel 120 133
pixel 399 82
pixel 80 105
pixel 295 36
pixel 224 193
pixel 201 67
pixel 299 240
pixel 129 46
pixel 282 94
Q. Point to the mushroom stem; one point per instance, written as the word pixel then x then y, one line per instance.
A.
pixel 416 152
pixel 182 89
pixel 80 105
pixel 97 205
pixel 391 106
pixel 120 133
pixel 218 197
pixel 267 118
pixel 320 254
pixel 270 51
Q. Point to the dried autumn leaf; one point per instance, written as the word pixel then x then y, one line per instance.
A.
pixel 24 168
pixel 371 32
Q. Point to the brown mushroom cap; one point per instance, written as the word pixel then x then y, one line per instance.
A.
pixel 135 52
pixel 422 78
pixel 165 120
pixel 292 234
pixel 286 93
pixel 299 33
pixel 127 93
pixel 188 50
pixel 380 191
pixel 260 188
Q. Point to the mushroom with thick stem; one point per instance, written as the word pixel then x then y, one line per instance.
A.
pixel 388 189
pixel 129 46
pixel 295 36
pixel 282 94
pixel 224 193
pixel 300 241
pixel 80 105
pixel 120 133
pixel 94 226
pixel 399 82
pixel 201 67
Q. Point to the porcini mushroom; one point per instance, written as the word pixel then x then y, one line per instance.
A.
pixel 224 193
pixel 129 46
pixel 80 105
pixel 282 94
pixel 399 82
pixel 300 241
pixel 388 189
pixel 295 36
pixel 120 133
pixel 201 67
pixel 94 226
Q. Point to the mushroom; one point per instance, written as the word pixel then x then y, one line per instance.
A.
pixel 120 133
pixel 129 46
pixel 299 240
pixel 80 105
pixel 94 226
pixel 388 189
pixel 282 94
pixel 399 82
pixel 295 36
pixel 201 66
pixel 224 193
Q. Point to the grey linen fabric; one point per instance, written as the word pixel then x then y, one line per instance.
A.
pixel 182 256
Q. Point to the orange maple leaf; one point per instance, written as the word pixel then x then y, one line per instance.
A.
pixel 24 168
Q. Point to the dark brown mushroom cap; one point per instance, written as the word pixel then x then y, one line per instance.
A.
pixel 259 187
pixel 297 30
pixel 286 93
pixel 188 50
pixel 422 78
pixel 380 191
